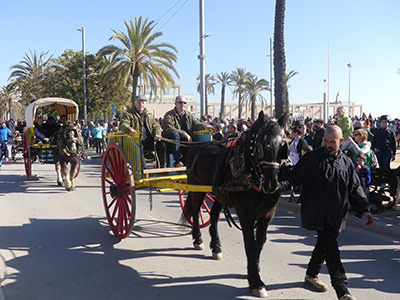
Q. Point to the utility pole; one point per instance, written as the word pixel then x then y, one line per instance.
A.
pixel 271 59
pixel 84 74
pixel 201 58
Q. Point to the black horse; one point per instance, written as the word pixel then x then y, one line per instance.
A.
pixel 69 151
pixel 244 176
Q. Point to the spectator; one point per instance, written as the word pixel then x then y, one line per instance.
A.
pixel 231 133
pixel 86 135
pixel 97 133
pixel 330 182
pixel 364 173
pixel 359 145
pixel 384 143
pixel 3 152
pixel 319 133
pixel 140 119
pixel 344 122
pixel 179 125
pixel 5 133
pixel 308 135
pixel 297 143
pixel 359 125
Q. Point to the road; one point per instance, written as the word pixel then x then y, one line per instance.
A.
pixel 57 245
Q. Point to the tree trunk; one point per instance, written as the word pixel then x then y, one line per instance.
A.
pixel 253 107
pixel 240 106
pixel 221 112
pixel 281 96
pixel 206 103
pixel 135 78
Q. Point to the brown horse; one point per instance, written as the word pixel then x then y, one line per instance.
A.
pixel 251 188
pixel 68 152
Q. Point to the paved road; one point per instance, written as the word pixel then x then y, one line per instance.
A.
pixel 57 245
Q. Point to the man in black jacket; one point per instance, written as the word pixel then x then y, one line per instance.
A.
pixel 330 182
pixel 319 133
pixel 384 143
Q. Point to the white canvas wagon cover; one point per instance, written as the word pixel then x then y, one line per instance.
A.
pixel 63 106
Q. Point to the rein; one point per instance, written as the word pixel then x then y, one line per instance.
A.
pixel 183 143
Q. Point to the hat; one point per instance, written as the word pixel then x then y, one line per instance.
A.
pixel 319 121
pixel 140 97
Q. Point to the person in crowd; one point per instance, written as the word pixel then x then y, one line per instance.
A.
pixel 359 144
pixel 86 135
pixel 364 172
pixel 40 132
pixel 5 132
pixel 384 143
pixel 319 129
pixel 344 122
pixel 306 149
pixel 63 120
pixel 359 125
pixel 330 182
pixel 308 135
pixel 179 125
pixel 3 152
pixel 231 133
pixel 97 133
pixel 297 143
pixel 140 119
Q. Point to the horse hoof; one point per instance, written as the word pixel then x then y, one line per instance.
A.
pixel 199 246
pixel 217 256
pixel 59 183
pixel 260 292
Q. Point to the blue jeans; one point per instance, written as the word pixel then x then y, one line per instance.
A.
pixel 176 149
pixel 384 158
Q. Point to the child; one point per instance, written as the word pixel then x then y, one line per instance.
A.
pixel 363 172
pixel 3 152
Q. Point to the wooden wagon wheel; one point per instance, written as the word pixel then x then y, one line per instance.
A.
pixel 27 157
pixel 204 210
pixel 118 191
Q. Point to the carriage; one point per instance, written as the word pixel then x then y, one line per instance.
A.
pixel 123 172
pixel 384 189
pixel 43 153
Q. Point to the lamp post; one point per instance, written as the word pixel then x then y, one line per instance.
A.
pixel 350 66
pixel 84 74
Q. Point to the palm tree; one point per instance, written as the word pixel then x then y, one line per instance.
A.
pixel 6 96
pixel 209 82
pixel 254 86
pixel 290 76
pixel 140 57
pixel 32 66
pixel 281 96
pixel 238 76
pixel 224 79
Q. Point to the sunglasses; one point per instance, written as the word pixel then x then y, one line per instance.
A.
pixel 356 134
pixel 181 102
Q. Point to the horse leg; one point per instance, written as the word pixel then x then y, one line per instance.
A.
pixel 215 243
pixel 64 170
pixel 261 232
pixel 72 175
pixel 58 171
pixel 247 222
pixel 195 200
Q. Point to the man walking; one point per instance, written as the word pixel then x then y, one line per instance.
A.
pixel 330 182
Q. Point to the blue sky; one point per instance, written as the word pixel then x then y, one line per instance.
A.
pixel 365 33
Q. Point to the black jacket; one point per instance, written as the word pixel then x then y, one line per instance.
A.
pixel 384 140
pixel 329 183
pixel 318 138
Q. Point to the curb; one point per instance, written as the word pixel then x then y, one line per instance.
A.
pixel 378 226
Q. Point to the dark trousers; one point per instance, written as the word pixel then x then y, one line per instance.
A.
pixel 384 158
pixel 178 152
pixel 99 145
pixel 327 249
pixel 161 150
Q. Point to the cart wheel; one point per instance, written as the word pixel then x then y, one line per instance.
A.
pixel 204 210
pixel 118 190
pixel 375 202
pixel 13 153
pixel 27 157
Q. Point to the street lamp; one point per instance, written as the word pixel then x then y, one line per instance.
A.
pixel 84 74
pixel 350 66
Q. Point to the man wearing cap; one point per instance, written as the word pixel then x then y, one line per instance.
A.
pixel 138 118
pixel 319 133
pixel 384 143
pixel 179 124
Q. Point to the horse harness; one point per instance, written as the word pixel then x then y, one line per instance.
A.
pixel 66 136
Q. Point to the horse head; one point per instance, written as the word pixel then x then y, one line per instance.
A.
pixel 265 144
pixel 70 141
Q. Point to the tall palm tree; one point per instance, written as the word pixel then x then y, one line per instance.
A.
pixel 254 86
pixel 209 82
pixel 281 96
pixel 290 76
pixel 238 76
pixel 140 57
pixel 224 79
pixel 6 94
pixel 33 66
